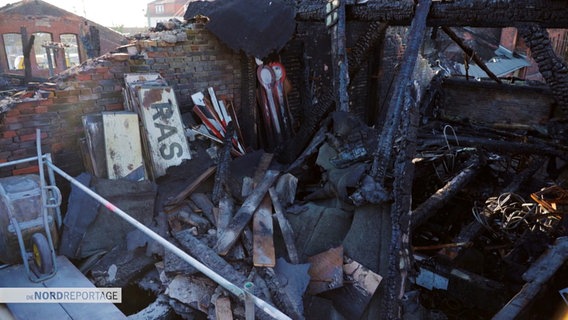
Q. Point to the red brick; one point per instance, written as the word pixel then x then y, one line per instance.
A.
pixel 13 113
pixel 115 107
pixel 102 69
pixel 32 137
pixel 57 147
pixel 9 134
pixel 27 104
pixel 27 170
pixel 41 109
pixel 11 120
pixel 83 77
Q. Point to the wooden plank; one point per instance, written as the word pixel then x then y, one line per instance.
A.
pixel 192 291
pixel 263 233
pixel 285 227
pixel 215 102
pixel 67 276
pixel 223 308
pixel 488 103
pixel 189 189
pixel 242 217
pixel 326 271
pixel 353 298
pixel 163 128
pixel 123 147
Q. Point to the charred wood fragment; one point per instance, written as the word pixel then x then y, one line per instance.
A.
pixel 222 175
pixel 227 238
pixel 472 13
pixel 179 198
pixel 553 68
pixel 209 258
pixel 429 207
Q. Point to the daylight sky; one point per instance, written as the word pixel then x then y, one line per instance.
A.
pixel 108 13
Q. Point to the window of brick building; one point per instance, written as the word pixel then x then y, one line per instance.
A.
pixel 71 48
pixel 14 51
pixel 41 39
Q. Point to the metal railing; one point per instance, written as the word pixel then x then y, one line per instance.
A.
pixel 243 293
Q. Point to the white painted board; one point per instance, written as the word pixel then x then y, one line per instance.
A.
pixel 123 147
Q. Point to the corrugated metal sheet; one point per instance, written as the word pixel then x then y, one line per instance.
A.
pixel 499 66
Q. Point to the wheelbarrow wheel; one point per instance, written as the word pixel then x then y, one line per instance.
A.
pixel 41 253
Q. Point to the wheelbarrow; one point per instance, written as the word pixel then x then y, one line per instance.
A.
pixel 28 228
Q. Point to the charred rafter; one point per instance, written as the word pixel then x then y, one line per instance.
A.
pixel 473 13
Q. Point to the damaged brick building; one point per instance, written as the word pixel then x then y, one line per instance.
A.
pixel 45 30
pixel 401 169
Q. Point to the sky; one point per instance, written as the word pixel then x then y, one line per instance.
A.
pixel 109 13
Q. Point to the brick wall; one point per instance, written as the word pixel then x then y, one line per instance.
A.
pixel 189 66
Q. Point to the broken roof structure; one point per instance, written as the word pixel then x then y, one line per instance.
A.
pixel 333 171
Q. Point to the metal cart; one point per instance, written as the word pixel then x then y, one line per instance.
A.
pixel 30 218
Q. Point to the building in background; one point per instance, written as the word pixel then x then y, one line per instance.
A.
pixel 61 39
pixel 164 10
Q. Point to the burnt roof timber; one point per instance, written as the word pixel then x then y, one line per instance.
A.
pixel 473 13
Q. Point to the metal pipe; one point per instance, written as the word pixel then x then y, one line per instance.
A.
pixel 52 182
pixel 249 302
pixel 44 210
pixel 14 162
pixel 269 309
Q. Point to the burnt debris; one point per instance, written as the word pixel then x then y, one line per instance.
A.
pixel 415 192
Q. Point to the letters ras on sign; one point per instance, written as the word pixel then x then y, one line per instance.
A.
pixel 165 137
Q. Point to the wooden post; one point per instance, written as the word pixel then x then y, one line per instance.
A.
pixel 335 21
pixel 416 33
pixel 28 44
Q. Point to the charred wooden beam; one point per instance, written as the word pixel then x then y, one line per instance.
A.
pixel 285 228
pixel 553 68
pixel 28 44
pixel 429 207
pixel 335 21
pixel 227 238
pixel 316 113
pixel 537 276
pixel 473 13
pixel 400 259
pixel 178 199
pixel 222 175
pixel 474 228
pixel 208 257
pixel 495 145
pixel 470 53
pixel 416 33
